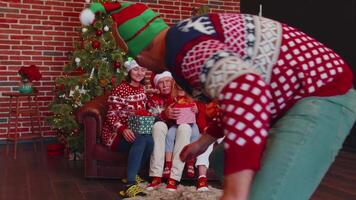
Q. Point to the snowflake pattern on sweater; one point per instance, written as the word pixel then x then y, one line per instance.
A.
pixel 123 101
pixel 257 69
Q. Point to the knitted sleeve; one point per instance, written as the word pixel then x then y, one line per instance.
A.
pixel 117 112
pixel 245 105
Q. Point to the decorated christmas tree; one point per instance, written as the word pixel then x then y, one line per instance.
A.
pixel 94 68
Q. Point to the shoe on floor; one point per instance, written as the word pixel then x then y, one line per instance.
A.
pixel 171 185
pixel 133 191
pixel 202 184
pixel 156 181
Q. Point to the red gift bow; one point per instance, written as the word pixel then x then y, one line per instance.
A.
pixel 143 113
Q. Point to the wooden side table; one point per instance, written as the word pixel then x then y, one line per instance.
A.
pixel 32 110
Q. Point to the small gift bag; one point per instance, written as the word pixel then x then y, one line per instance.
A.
pixel 186 116
pixel 141 122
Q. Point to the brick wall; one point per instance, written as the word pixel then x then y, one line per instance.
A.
pixel 41 32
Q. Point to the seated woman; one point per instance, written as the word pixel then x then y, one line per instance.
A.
pixel 125 99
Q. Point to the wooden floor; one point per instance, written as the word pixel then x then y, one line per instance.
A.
pixel 34 176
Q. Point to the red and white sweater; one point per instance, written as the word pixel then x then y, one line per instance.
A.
pixel 257 69
pixel 123 100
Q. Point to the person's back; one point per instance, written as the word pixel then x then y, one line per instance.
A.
pixel 292 63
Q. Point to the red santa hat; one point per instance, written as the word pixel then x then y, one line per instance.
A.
pixel 161 75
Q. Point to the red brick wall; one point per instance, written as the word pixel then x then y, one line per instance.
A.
pixel 41 32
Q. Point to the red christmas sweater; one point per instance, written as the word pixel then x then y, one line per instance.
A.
pixel 123 100
pixel 257 69
pixel 158 103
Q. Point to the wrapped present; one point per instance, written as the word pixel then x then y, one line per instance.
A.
pixel 186 116
pixel 141 122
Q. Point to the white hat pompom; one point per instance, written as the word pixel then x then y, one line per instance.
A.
pixel 130 64
pixel 86 17
pixel 161 75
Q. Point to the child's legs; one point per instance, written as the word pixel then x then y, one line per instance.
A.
pixel 203 159
pixel 171 136
pixel 301 147
pixel 159 132
pixel 135 157
pixel 195 133
pixel 184 132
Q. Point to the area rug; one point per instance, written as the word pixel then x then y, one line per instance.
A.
pixel 182 193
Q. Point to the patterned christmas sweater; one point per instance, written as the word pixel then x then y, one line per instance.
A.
pixel 123 100
pixel 157 105
pixel 257 69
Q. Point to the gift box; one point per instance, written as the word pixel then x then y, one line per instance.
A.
pixel 141 122
pixel 55 149
pixel 186 116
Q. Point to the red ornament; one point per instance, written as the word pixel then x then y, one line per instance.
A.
pixel 117 65
pixel 95 44
pixel 142 113
pixel 113 80
pixel 99 32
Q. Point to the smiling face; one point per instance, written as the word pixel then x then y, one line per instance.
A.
pixel 164 85
pixel 137 74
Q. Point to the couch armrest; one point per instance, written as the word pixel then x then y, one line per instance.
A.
pixel 95 108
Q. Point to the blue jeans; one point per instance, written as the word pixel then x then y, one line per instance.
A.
pixel 139 153
pixel 171 136
pixel 300 148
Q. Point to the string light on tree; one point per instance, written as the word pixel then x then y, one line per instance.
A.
pixel 106 28
pixel 84 30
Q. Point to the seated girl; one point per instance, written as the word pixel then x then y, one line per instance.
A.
pixel 181 134
pixel 125 99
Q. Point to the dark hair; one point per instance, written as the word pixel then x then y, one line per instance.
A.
pixel 128 79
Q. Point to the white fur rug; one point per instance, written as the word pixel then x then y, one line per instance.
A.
pixel 182 193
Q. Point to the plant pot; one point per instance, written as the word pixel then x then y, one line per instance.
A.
pixel 25 88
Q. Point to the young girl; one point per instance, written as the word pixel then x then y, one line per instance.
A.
pixel 126 98
pixel 173 168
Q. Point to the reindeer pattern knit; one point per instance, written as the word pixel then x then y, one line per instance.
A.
pixel 123 100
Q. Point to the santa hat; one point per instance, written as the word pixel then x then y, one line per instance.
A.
pixel 136 23
pixel 161 75
pixel 130 64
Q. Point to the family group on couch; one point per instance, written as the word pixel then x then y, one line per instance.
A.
pixel 163 146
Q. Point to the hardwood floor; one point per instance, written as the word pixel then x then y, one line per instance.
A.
pixel 35 176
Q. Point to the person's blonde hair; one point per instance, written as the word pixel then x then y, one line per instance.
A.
pixel 174 94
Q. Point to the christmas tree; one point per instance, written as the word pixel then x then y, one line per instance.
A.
pixel 94 68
